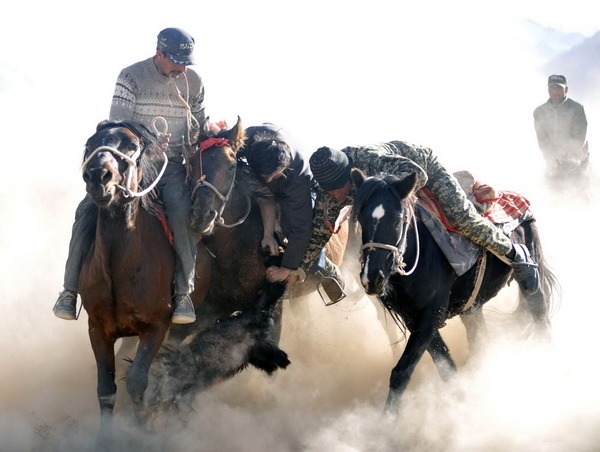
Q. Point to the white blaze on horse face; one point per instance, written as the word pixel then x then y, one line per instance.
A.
pixel 378 212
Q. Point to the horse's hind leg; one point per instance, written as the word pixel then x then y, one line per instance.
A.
pixel 537 307
pixel 475 328
pixel 441 356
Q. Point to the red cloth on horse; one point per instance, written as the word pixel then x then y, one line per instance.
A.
pixel 163 221
pixel 506 207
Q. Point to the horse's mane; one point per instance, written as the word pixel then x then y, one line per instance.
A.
pixel 377 183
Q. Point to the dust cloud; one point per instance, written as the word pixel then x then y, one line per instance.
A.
pixel 467 89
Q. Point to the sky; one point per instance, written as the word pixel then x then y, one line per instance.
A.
pixel 460 77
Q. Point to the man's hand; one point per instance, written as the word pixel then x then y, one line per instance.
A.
pixel 164 139
pixel 269 241
pixel 216 127
pixel 277 274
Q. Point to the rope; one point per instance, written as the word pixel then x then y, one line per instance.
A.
pixel 191 121
pixel 130 167
pixel 398 250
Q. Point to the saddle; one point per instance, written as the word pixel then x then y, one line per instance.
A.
pixel 506 209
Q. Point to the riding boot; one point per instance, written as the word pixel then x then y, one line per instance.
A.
pixel 184 310
pixel 66 305
pixel 525 270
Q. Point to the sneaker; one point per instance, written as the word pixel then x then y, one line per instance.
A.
pixel 66 305
pixel 184 310
pixel 525 270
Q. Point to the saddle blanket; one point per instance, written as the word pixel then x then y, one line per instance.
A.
pixel 506 209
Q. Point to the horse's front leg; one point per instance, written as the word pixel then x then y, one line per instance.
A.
pixel 417 343
pixel 137 376
pixel 104 353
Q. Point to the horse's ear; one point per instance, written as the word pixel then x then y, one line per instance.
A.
pixel 404 187
pixel 237 136
pixel 101 124
pixel 357 177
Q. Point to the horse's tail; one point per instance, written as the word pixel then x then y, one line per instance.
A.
pixel 541 305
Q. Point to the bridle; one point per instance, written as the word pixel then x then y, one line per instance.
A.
pixel 131 166
pixel 203 183
pixel 398 249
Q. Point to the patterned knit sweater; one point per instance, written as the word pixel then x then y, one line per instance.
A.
pixel 142 93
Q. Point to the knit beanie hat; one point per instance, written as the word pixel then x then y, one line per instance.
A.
pixel 330 168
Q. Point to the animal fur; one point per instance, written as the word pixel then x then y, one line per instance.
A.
pixel 179 372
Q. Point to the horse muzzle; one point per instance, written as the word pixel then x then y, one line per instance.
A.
pixel 100 185
pixel 204 222
pixel 374 283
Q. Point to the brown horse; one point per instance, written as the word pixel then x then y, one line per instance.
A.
pixel 226 213
pixel 125 285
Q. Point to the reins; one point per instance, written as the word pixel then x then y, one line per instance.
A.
pixel 398 250
pixel 202 182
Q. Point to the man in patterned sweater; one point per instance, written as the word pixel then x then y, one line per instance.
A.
pixel 331 169
pixel 160 86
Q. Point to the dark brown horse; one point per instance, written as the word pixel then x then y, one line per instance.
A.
pixel 125 285
pixel 226 213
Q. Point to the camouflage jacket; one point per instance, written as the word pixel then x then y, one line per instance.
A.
pixel 396 157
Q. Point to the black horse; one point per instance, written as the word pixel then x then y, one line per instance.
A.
pixel 424 296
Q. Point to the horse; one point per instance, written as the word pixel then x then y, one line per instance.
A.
pixel 226 213
pixel 430 292
pixel 227 217
pixel 125 285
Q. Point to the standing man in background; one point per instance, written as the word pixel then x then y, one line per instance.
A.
pixel 561 128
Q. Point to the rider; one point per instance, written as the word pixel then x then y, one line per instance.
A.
pixel 331 169
pixel 283 184
pixel 160 86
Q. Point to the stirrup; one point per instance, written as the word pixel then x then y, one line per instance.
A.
pixel 321 289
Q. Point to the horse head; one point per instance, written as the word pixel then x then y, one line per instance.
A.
pixel 115 159
pixel 383 207
pixel 213 170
